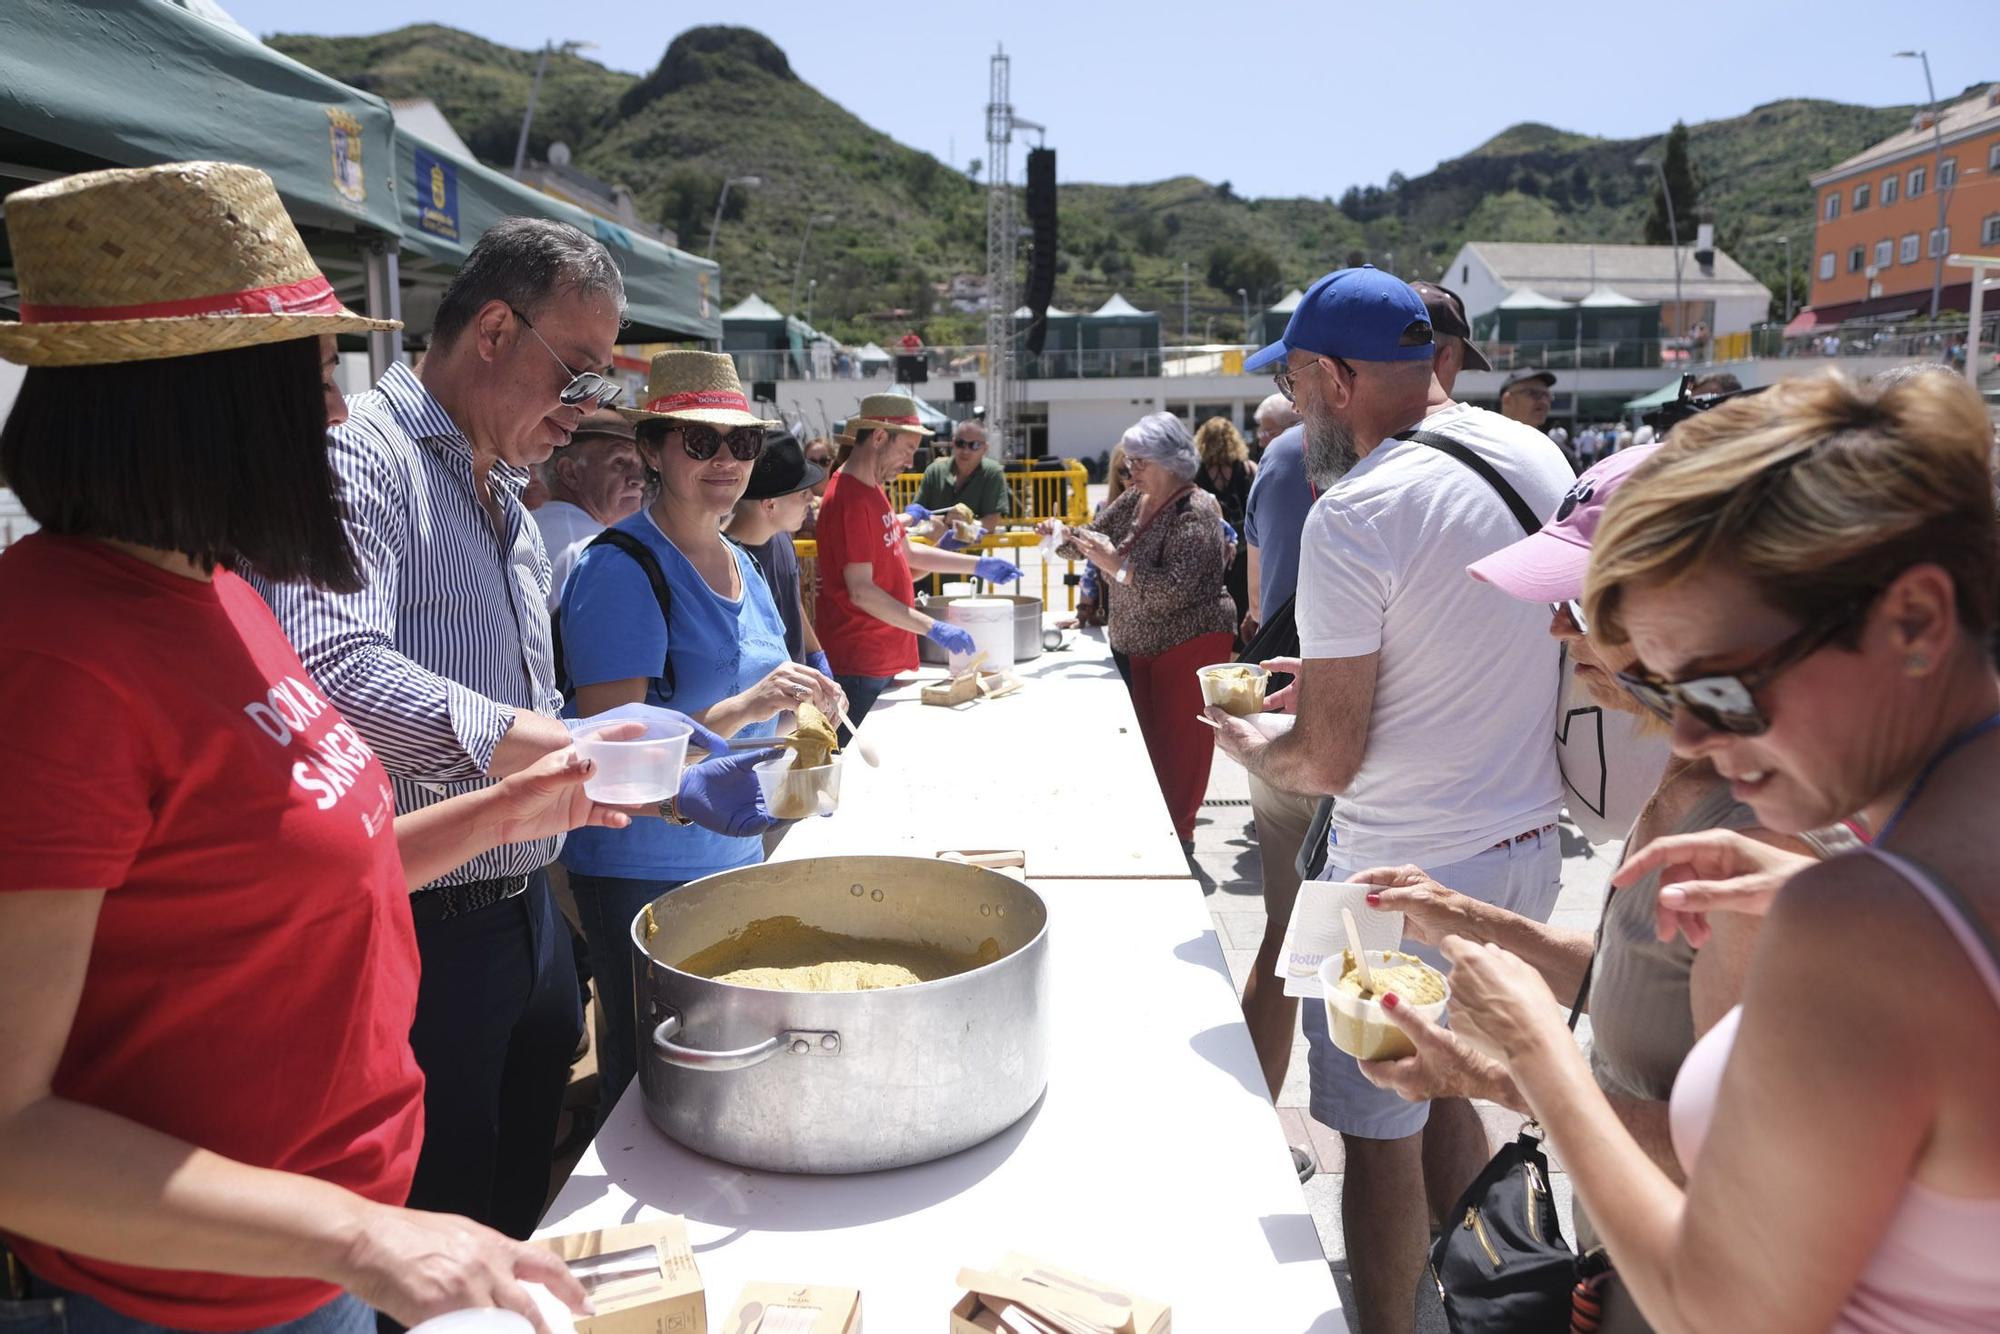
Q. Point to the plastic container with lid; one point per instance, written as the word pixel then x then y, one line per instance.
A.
pixel 638 750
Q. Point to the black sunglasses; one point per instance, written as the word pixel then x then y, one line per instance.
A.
pixel 701 441
pixel 582 384
pixel 1728 703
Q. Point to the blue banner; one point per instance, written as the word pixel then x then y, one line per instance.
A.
pixel 437 195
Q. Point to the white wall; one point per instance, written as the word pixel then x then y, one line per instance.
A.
pixel 1083 429
pixel 1481 290
pixel 1738 314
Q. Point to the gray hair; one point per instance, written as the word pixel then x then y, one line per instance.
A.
pixel 524 262
pixel 1276 410
pixel 1914 370
pixel 1162 438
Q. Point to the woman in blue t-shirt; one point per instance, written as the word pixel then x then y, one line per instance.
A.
pixel 718 655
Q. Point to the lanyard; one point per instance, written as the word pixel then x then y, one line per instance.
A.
pixel 1945 752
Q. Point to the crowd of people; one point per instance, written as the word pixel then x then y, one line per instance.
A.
pixel 290 997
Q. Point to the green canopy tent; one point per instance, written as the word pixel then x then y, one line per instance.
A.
pixel 448 201
pixel 1659 398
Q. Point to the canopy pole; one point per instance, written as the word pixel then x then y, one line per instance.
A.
pixel 385 302
pixel 1976 306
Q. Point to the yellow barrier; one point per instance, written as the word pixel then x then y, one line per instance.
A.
pixel 1045 493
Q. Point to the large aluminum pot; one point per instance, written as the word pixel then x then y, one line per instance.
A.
pixel 845 1081
pixel 1027 625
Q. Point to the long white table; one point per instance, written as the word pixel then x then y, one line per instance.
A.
pixel 1154 1160
pixel 1057 769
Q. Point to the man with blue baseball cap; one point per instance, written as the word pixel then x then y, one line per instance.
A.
pixel 1425 702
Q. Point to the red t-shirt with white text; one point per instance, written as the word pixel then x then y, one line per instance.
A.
pixel 856 526
pixel 254 971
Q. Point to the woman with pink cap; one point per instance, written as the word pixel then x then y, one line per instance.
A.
pixel 1648 1000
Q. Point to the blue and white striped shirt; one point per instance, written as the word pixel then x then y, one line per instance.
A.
pixel 450 637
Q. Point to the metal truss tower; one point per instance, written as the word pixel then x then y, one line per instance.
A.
pixel 1003 380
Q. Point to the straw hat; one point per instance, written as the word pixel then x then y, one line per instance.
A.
pixel 167 261
pixel 694 387
pixel 891 412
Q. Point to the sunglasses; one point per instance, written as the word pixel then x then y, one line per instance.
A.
pixel 1574 610
pixel 583 385
pixel 968 445
pixel 701 442
pixel 1287 379
pixel 1728 703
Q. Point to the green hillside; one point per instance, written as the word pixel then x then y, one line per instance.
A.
pixel 724 102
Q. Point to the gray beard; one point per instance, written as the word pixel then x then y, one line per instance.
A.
pixel 1330 450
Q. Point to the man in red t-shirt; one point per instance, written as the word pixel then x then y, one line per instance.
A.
pixel 868 621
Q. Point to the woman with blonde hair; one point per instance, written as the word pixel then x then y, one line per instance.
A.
pixel 1226 473
pixel 1809 580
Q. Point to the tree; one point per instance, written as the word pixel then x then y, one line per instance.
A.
pixel 974 167
pixel 1683 184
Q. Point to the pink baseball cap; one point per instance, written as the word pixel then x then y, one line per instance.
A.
pixel 1549 566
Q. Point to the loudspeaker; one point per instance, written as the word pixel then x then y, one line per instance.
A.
pixel 764 391
pixel 912 370
pixel 1042 252
pixel 964 391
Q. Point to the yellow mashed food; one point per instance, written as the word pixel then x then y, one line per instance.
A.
pixel 844 975
pixel 1237 690
pixel 1360 1027
pixel 814 737
pixel 1409 977
pixel 786 954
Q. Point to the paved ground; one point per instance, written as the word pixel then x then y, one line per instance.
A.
pixel 1227 865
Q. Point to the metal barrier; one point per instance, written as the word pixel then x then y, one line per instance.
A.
pixel 1038 494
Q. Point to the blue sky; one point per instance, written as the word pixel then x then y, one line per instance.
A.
pixel 1284 99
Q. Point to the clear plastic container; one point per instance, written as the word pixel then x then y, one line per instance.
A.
pixel 1234 687
pixel 638 749
pixel 794 794
pixel 1361 1027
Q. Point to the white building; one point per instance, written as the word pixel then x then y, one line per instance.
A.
pixel 1715 290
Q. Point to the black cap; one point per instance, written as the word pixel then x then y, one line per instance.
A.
pixel 1448 318
pixel 782 469
pixel 1522 377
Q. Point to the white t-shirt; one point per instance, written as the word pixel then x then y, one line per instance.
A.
pixel 1461 747
pixel 565 529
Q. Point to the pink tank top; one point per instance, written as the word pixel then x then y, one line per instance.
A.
pixel 1937 1270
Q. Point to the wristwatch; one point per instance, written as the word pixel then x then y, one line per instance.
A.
pixel 670 811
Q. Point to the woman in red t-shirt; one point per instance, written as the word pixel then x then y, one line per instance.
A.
pixel 209 1112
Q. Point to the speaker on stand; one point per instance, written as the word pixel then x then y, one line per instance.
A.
pixel 1041 200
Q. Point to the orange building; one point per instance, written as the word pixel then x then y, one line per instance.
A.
pixel 1876 243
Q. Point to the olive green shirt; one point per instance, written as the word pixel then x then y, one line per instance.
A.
pixel 985 492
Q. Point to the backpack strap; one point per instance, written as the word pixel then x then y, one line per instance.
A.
pixel 648 562
pixel 1446 445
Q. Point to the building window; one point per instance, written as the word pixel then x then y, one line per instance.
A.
pixel 1947 173
pixel 1856 259
pixel 1916 183
pixel 1464 274
pixel 1940 241
pixel 1989 231
pixel 1860 197
pixel 1883 251
pixel 1890 184
pixel 1833 205
pixel 1993 158
pixel 1908 254
pixel 1826 263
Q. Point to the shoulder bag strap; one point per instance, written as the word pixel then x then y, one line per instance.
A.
pixel 648 562
pixel 1491 475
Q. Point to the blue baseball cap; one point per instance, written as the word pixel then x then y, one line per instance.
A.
pixel 1362 314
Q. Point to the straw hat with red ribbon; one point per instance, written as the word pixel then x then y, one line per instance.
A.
pixel 694 387
pixel 141 263
pixel 889 412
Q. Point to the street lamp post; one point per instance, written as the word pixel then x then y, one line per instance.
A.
pixel 1245 297
pixel 798 269
pixel 812 286
pixel 535 93
pixel 1938 246
pixel 748 183
pixel 1680 308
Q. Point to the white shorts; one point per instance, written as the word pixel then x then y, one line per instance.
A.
pixel 1522 877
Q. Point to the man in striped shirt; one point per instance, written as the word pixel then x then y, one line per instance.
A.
pixel 443 662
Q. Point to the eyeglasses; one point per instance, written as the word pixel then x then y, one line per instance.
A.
pixel 582 384
pixel 1287 379
pixel 1728 703
pixel 1574 610
pixel 701 441
pixel 968 444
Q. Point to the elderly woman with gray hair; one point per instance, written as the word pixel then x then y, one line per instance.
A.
pixel 1162 543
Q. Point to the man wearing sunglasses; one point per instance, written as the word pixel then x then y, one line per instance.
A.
pixel 443 662
pixel 867 617
pixel 967 477
pixel 1425 703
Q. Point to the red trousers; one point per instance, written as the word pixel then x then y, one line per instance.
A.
pixel 1167 698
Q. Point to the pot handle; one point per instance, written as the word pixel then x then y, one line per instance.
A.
pixel 693 1058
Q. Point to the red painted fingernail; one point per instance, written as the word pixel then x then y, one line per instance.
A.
pixel 1374 899
pixel 1390 1000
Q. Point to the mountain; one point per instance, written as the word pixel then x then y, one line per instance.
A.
pixel 724 102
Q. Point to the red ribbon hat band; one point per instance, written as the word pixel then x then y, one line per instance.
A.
pixel 310 296
pixel 699 398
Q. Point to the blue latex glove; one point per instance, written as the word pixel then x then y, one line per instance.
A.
pixel 1228 533
pixel 995 569
pixel 951 638
pixel 722 794
pixel 917 512
pixel 712 742
pixel 948 540
pixel 817 661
